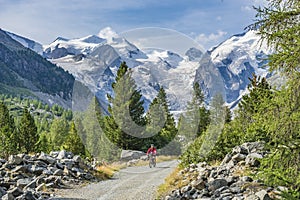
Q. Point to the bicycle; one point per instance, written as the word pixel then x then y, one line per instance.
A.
pixel 152 160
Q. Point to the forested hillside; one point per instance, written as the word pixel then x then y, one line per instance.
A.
pixel 24 72
pixel 29 125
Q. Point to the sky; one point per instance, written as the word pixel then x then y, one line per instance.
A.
pixel 207 22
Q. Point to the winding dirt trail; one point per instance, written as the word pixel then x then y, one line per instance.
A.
pixel 132 183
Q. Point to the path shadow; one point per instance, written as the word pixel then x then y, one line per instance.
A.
pixel 163 167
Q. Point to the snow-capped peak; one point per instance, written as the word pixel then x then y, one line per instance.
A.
pixel 108 33
pixel 93 39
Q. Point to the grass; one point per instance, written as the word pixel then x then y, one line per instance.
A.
pixel 172 182
pixel 107 171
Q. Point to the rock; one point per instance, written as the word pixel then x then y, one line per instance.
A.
pixel 216 184
pixel 246 179
pixel 239 157
pixel 40 163
pixel 69 163
pixel 240 149
pixel 186 189
pixel 50 185
pixel 226 196
pixel 61 155
pixel 77 159
pixel 41 187
pixel 46 158
pixel 36 170
pixel 2 192
pixel 29 196
pixel 15 191
pixel 21 183
pixel 263 195
pixel 8 196
pixel 198 184
pixel 59 165
pixel 231 179
pixel 2 161
pixel 132 162
pixel 14 160
pixel 144 158
pixel 31 185
pixel 89 176
pixel 237 198
pixel 47 172
pixel 58 172
pixel 7 184
pixel 226 159
pixel 20 168
pixel 127 155
pixel 236 190
pixel 252 159
pixel 252 197
pixel 253 146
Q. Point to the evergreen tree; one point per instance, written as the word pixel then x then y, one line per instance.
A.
pixel 73 142
pixel 196 119
pixel 126 122
pixel 202 148
pixel 8 140
pixel 43 144
pixel 58 133
pixel 161 122
pixel 28 136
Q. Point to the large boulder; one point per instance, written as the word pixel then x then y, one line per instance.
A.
pixel 127 155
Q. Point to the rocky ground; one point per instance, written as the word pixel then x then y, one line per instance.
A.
pixel 227 181
pixel 34 176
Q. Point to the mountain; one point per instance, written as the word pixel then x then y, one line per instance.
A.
pixel 24 72
pixel 231 64
pixel 225 69
pixel 94 62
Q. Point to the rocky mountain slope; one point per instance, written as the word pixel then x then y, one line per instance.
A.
pixel 24 72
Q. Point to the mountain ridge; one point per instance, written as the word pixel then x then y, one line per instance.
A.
pixel 224 69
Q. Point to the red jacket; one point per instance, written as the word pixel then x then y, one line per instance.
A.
pixel 151 150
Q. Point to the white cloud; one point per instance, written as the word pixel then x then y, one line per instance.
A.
pixel 108 33
pixel 210 40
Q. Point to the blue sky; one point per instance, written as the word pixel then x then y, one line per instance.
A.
pixel 209 22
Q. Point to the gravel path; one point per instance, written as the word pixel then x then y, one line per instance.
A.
pixel 132 183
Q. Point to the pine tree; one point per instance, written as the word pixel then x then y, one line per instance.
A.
pixel 161 124
pixel 73 142
pixel 43 144
pixel 8 140
pixel 126 122
pixel 195 120
pixel 58 133
pixel 28 136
